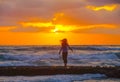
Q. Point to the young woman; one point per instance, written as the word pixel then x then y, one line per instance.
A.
pixel 64 49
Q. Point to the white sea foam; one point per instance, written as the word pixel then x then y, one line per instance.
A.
pixel 54 59
pixel 17 56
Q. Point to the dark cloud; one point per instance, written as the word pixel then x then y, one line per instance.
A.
pixel 37 7
pixel 117 1
pixel 5 23
pixel 103 2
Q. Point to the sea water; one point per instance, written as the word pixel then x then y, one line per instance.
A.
pixel 60 78
pixel 48 56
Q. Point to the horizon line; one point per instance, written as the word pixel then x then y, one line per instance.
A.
pixel 70 45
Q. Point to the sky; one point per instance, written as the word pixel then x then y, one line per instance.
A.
pixel 46 22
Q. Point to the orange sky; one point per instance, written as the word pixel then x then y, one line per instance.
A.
pixel 46 22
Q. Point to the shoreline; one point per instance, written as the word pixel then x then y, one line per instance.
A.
pixel 55 70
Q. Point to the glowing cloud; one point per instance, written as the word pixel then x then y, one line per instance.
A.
pixel 63 28
pixel 6 28
pixel 57 27
pixel 105 7
pixel 36 24
pixel 53 25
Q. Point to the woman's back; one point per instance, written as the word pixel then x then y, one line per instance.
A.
pixel 64 47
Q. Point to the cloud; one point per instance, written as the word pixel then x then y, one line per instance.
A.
pixel 17 10
pixel 102 2
pixel 6 28
pixel 56 27
pixel 31 29
pixel 75 14
pixel 21 29
pixel 105 7
pixel 99 30
pixel 37 7
pixel 116 1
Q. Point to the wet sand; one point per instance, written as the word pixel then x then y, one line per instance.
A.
pixel 54 70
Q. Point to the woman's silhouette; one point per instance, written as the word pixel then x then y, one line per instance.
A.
pixel 64 50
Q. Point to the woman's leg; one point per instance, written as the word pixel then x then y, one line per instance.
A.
pixel 64 56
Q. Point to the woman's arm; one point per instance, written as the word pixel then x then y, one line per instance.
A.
pixel 70 48
pixel 60 50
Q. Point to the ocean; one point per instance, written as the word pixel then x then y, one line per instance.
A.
pixel 48 56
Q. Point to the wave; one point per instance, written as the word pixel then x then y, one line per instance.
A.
pixel 51 59
pixel 54 78
pixel 56 56
pixel 99 48
pixel 48 55
pixel 39 48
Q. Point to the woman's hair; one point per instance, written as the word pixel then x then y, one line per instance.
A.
pixel 64 42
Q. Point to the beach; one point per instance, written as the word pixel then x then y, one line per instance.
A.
pixel 55 70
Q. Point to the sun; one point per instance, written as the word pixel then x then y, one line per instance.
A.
pixel 55 30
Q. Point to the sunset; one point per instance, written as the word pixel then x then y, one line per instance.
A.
pixel 59 40
pixel 34 22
